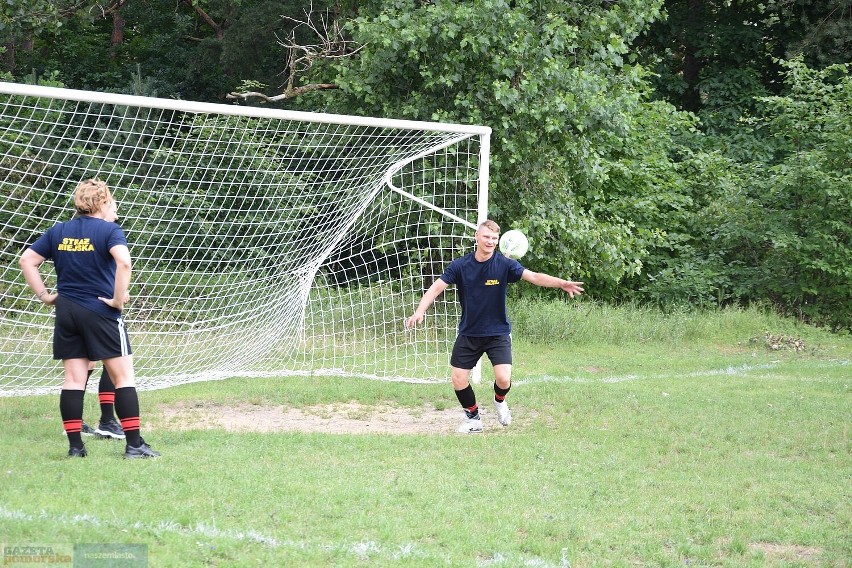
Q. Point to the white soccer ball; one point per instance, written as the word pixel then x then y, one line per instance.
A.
pixel 514 244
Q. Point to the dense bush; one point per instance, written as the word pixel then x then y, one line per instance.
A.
pixel 745 201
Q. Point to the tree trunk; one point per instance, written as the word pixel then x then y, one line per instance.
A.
pixel 217 29
pixel 117 33
pixel 692 64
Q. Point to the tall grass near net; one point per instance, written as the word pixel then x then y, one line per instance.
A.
pixel 587 322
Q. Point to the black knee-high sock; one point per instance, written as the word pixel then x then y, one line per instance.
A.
pixel 88 376
pixel 467 398
pixel 500 394
pixel 127 409
pixel 106 396
pixel 71 410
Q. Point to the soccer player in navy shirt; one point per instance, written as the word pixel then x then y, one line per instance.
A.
pixel 482 279
pixel 92 263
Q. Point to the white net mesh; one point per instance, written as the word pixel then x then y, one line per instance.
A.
pixel 264 243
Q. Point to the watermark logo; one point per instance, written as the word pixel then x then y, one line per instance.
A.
pixel 110 556
pixel 17 555
pixel 74 555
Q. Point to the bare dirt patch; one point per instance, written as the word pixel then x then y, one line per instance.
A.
pixel 786 552
pixel 340 418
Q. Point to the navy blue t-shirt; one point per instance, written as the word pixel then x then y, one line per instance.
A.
pixel 84 267
pixel 482 288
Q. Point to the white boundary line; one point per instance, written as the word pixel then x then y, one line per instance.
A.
pixel 363 550
pixel 731 371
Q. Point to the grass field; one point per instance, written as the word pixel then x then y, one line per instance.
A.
pixel 639 439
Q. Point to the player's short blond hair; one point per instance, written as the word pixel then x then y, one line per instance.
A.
pixel 91 195
pixel 490 225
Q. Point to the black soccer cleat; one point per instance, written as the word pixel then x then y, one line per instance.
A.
pixel 77 452
pixel 109 429
pixel 141 451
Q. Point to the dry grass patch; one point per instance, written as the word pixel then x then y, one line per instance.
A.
pixel 339 418
pixel 785 552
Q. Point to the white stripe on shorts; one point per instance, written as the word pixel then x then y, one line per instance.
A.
pixel 122 337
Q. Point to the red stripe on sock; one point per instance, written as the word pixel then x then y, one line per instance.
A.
pixel 72 426
pixel 473 408
pixel 499 398
pixel 131 423
pixel 106 397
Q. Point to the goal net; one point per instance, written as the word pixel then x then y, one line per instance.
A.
pixel 264 242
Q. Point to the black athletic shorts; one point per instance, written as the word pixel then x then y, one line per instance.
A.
pixel 80 333
pixel 468 350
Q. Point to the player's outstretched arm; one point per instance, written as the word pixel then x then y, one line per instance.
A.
pixel 436 289
pixel 548 281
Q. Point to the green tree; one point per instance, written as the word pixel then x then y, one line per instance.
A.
pixel 800 235
pixel 23 21
pixel 714 57
pixel 193 50
pixel 556 82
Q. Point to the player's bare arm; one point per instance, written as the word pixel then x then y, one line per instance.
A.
pixel 121 294
pixel 30 262
pixel 547 281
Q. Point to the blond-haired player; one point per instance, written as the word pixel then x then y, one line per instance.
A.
pixel 93 265
pixel 482 278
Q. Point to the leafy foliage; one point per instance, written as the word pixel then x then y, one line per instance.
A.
pixel 179 52
pixel 550 78
pixel 713 57
pixel 802 237
pixel 674 153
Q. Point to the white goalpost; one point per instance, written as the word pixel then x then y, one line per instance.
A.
pixel 265 242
